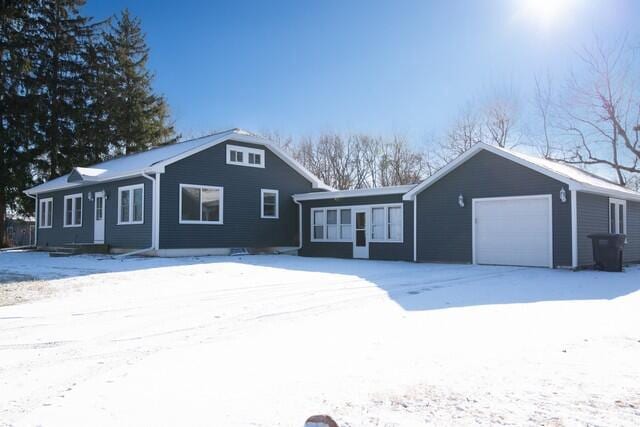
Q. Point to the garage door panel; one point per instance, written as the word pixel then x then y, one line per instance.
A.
pixel 513 231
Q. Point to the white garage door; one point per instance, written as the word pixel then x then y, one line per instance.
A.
pixel 513 231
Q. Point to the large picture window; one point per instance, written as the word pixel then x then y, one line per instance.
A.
pixel 131 204
pixel 201 204
pixel 45 213
pixel 73 210
pixel 269 204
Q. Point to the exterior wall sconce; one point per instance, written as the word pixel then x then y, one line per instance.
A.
pixel 90 196
pixel 461 201
pixel 563 195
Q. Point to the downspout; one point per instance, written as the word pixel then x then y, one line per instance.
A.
pixel 299 223
pixel 37 223
pixel 154 211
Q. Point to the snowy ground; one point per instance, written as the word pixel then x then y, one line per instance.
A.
pixel 271 340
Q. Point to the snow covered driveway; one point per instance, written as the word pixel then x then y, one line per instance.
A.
pixel 271 340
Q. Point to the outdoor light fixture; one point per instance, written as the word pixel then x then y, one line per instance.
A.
pixel 90 196
pixel 461 201
pixel 563 195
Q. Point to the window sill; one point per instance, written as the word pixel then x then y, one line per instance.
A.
pixel 202 222
pixel 71 226
pixel 131 223
pixel 44 228
pixel 269 217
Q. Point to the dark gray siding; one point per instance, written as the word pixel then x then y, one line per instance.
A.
pixel 242 226
pixel 119 236
pixel 444 229
pixel 593 217
pixel 632 249
pixel 377 250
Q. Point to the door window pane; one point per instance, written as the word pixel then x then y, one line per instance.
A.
pixel 190 204
pixel 99 208
pixel 210 204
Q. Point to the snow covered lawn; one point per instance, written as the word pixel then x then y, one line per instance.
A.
pixel 271 340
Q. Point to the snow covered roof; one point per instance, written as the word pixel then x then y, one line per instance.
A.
pixel 575 178
pixel 155 159
pixel 398 189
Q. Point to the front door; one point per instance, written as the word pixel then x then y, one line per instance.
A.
pixel 361 241
pixel 98 218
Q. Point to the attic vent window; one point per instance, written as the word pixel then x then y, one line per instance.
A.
pixel 245 156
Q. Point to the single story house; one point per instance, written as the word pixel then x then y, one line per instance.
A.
pixel 234 189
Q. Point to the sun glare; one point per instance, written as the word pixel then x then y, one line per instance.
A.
pixel 545 14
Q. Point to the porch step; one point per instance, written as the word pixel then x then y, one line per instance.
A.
pixel 78 248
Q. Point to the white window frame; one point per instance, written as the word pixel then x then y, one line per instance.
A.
pixel 45 207
pixel 386 223
pixel 245 156
pixel 130 189
pixel 369 209
pixel 201 187
pixel 264 191
pixel 617 203
pixel 74 198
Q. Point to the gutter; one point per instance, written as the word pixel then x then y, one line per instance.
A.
pixel 299 223
pixel 155 205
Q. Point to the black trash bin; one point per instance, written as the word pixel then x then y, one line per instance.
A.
pixel 607 250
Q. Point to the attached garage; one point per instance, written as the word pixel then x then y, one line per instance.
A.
pixel 496 206
pixel 513 231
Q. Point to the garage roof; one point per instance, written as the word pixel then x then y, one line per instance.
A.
pixel 576 179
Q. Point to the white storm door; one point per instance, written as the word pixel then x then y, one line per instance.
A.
pixel 361 235
pixel 98 218
pixel 513 231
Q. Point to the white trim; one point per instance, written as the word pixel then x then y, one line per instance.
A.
pixel 74 197
pixel 264 191
pixel 200 222
pixel 130 189
pixel 572 183
pixel 400 189
pixel 489 199
pixel 574 229
pixel 96 195
pixel 368 229
pixel 156 213
pixel 386 207
pixel 623 203
pixel 246 151
pixel 415 229
pixel 48 212
pixel 472 152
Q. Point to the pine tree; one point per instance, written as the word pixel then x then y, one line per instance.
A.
pixel 63 34
pixel 17 106
pixel 140 116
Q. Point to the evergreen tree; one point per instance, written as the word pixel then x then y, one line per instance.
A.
pixel 17 106
pixel 140 116
pixel 58 70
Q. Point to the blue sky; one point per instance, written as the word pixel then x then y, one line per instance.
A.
pixel 407 67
